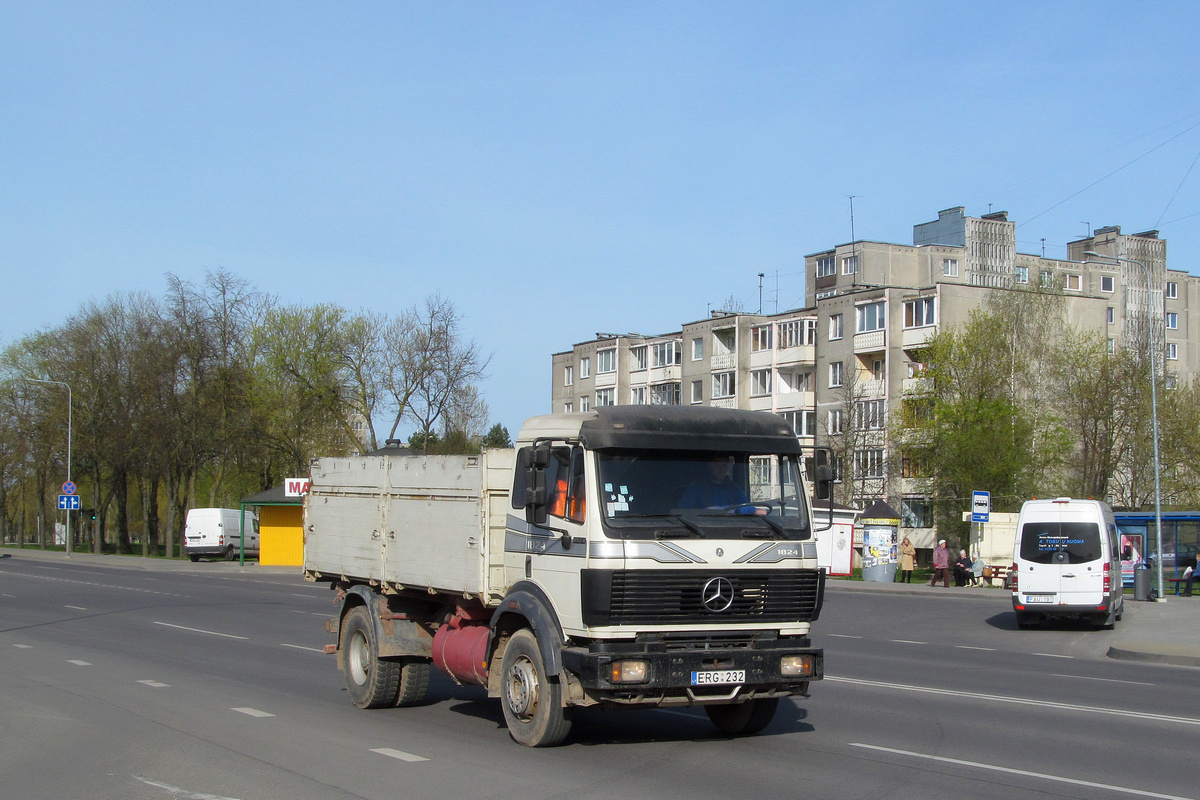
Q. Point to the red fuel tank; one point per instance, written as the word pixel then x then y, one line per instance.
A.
pixel 460 648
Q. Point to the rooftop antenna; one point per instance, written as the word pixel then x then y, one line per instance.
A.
pixel 853 243
pixel 1089 228
pixel 760 280
pixel 1043 247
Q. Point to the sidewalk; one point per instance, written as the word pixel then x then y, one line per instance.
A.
pixel 1162 632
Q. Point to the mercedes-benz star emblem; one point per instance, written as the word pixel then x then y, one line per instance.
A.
pixel 717 595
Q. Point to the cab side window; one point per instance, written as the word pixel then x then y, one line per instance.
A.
pixel 566 485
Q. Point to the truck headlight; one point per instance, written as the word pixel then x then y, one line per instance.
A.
pixel 629 671
pixel 796 666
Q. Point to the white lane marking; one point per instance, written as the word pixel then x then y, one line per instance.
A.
pixel 183 794
pixel 1022 701
pixel 1050 655
pixel 201 630
pixel 79 663
pixel 156 684
pixel 400 754
pixel 252 712
pixel 4 594
pixel 302 647
pixel 969 647
pixel 1023 772
pixel 842 636
pixel 93 583
pixel 907 641
pixel 24 646
pixel 76 608
pixel 1106 680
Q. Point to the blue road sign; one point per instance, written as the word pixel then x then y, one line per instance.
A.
pixel 981 506
pixel 68 502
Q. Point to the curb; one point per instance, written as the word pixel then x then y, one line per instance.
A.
pixel 1176 660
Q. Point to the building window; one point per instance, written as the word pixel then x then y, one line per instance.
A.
pixel 802 382
pixel 868 463
pixel 568 408
pixel 919 313
pixel 1172 351
pixel 697 392
pixel 637 396
pixel 664 394
pixel 666 354
pixel 835 327
pixel 950 267
pixel 585 367
pixel 1172 290
pixel 835 374
pixel 585 404
pixel 1106 283
pixel 911 467
pixel 760 383
pixel 1112 315
pixel 724 342
pixel 878 367
pixel 1112 346
pixel 870 415
pixel 760 338
pixel 1046 278
pixel 916 512
pixel 569 376
pixel 850 265
pixel 1172 320
pixel 1074 283
pixel 724 384
pixel 1022 274
pixel 637 358
pixel 833 422
pixel 697 349
pixel 606 361
pixel 870 317
pixel 825 267
pixel 789 334
pixel 604 397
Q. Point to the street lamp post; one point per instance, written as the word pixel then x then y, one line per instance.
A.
pixel 70 404
pixel 1153 411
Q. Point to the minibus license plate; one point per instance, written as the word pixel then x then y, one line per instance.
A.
pixel 718 676
pixel 1039 598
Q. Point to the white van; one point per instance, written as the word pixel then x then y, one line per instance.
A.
pixel 216 533
pixel 1066 563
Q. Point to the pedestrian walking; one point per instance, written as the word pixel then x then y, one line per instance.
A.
pixel 941 564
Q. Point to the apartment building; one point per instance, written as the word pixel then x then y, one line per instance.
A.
pixel 838 367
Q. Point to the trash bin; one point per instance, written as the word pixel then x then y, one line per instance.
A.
pixel 1142 583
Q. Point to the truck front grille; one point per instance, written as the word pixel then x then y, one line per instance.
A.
pixel 628 597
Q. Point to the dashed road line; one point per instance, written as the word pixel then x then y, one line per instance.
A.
pixel 24 646
pixel 1051 655
pixel 398 754
pixel 1106 680
pixel 155 684
pixel 252 712
pixel 320 650
pixel 78 662
pixel 971 647
pixel 201 630
pixel 76 608
pixel 906 641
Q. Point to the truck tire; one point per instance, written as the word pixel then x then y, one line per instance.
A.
pixel 230 553
pixel 371 682
pixel 1028 619
pixel 533 708
pixel 744 718
pixel 194 557
pixel 414 681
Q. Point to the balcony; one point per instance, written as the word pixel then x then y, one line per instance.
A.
pixel 725 402
pixel 916 385
pixel 916 337
pixel 723 361
pixel 871 388
pixel 804 354
pixel 664 374
pixel 606 379
pixel 870 341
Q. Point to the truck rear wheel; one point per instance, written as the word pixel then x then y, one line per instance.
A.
pixel 744 718
pixel 414 682
pixel 533 708
pixel 370 681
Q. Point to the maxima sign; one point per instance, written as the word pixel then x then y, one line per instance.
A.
pixel 295 487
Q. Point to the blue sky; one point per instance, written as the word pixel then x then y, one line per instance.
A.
pixel 558 169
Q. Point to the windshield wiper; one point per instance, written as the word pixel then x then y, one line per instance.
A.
pixel 692 529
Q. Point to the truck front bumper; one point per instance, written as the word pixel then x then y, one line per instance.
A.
pixel 683 673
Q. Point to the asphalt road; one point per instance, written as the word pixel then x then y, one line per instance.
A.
pixel 207 681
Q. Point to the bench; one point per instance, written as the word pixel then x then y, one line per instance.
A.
pixel 1179 582
pixel 996 573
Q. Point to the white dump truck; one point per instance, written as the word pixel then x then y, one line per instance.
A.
pixel 637 556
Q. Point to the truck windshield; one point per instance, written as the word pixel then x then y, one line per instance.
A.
pixel 648 494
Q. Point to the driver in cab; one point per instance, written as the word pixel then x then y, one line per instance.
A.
pixel 718 491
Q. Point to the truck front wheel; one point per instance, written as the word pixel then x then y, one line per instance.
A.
pixel 744 718
pixel 533 707
pixel 370 681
